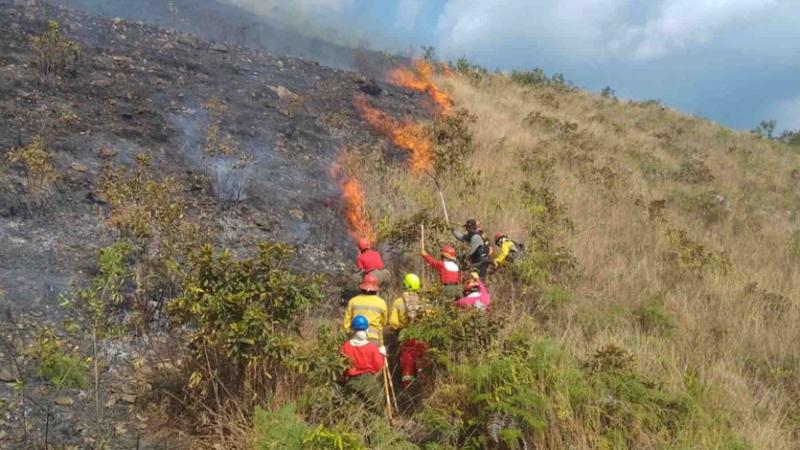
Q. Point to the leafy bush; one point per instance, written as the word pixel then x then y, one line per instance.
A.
pixel 53 54
pixel 551 124
pixel 652 316
pixel 694 256
pixel 278 430
pixel 40 173
pixel 59 364
pixel 227 163
pixel 473 72
pixel 242 317
pixel 453 142
pixel 537 77
pixel 150 216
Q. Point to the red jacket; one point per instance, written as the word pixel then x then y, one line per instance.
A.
pixel 369 260
pixel 364 359
pixel 449 273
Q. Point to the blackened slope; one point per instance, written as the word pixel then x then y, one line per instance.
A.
pixel 142 89
pixel 224 22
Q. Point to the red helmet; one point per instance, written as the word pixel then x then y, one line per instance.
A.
pixel 363 244
pixel 369 283
pixel 497 237
pixel 448 252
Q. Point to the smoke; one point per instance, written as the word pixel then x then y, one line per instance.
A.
pixel 293 28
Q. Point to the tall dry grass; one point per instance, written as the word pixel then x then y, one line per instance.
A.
pixel 631 175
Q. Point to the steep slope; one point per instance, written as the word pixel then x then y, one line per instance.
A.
pixel 138 90
pixel 667 236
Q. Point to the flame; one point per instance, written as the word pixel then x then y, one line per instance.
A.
pixel 354 202
pixel 419 79
pixel 409 136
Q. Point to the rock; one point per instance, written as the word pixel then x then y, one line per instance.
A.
pixel 217 47
pixel 2 435
pixel 296 213
pixel 283 93
pixel 101 83
pixel 77 167
pixel 8 372
pixel 64 401
pixel 189 40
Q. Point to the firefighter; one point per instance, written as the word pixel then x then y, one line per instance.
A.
pixel 509 250
pixel 366 361
pixel 370 261
pixel 449 272
pixel 406 309
pixel 479 252
pixel 475 294
pixel 369 305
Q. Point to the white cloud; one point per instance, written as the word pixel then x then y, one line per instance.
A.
pixel 565 24
pixel 408 12
pixel 601 28
pixel 680 23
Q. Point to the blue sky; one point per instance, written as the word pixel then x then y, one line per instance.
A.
pixel 734 61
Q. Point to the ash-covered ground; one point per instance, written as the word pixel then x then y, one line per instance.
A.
pixel 141 89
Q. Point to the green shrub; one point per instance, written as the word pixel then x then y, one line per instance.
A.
pixel 453 142
pixel 278 430
pixel 40 171
pixel 242 318
pixel 58 364
pixel 537 77
pixel 652 316
pixel 53 54
pixel 323 438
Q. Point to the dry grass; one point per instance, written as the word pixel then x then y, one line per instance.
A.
pixel 732 193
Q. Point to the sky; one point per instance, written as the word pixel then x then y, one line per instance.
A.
pixel 736 62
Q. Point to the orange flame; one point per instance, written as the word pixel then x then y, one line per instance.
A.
pixel 420 80
pixel 409 136
pixel 355 203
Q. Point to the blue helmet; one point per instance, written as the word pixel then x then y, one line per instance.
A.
pixel 359 323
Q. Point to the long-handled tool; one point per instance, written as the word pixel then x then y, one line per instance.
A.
pixel 441 197
pixel 391 384
pixel 386 383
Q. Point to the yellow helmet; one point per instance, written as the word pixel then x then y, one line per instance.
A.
pixel 411 282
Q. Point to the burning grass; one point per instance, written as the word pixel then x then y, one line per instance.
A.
pixel 419 79
pixel 354 202
pixel 406 135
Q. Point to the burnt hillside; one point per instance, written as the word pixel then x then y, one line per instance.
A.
pixel 137 89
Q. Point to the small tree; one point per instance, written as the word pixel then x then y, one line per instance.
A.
pixel 765 129
pixel 53 54
pixel 227 164
pixel 40 172
pixel 242 316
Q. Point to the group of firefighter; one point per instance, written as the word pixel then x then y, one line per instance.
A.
pixel 367 313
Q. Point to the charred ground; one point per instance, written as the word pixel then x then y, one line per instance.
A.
pixel 141 89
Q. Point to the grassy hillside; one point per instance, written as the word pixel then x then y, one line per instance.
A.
pixel 655 305
pixel 665 237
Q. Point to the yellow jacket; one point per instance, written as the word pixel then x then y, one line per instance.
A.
pixel 505 249
pixel 373 308
pixel 399 317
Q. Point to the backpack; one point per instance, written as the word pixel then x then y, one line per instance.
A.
pixel 413 305
pixel 516 250
pixel 481 252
